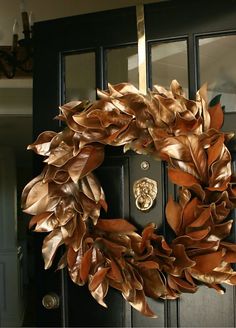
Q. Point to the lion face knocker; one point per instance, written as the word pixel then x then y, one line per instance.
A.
pixel 145 192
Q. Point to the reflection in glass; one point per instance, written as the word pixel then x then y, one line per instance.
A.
pixel 80 77
pixel 122 65
pixel 169 62
pixel 217 68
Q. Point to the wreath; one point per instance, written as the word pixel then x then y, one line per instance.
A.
pixel 66 198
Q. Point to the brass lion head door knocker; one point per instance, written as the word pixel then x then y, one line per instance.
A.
pixel 145 193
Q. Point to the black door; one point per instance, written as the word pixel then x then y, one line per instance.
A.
pixel 73 57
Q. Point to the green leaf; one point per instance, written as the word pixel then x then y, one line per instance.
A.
pixel 214 101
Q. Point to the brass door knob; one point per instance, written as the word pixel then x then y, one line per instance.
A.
pixel 51 301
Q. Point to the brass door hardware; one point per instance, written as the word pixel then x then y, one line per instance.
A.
pixel 145 192
pixel 51 301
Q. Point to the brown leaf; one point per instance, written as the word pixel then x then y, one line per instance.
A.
pixel 153 283
pixel 78 234
pixel 189 212
pixel 62 262
pixel 100 293
pixel 115 225
pixel 199 234
pixel 139 303
pixel 184 286
pixel 147 233
pixel 174 215
pixel 202 219
pixel 217 116
pixel 60 155
pixel 89 158
pixel 50 245
pixel 90 208
pixel 33 191
pixel 201 97
pixel 42 144
pixel 215 150
pixel 182 178
pixel 39 217
pixel 208 262
pixel 91 187
pixel 48 224
pixel 71 257
pixel 222 231
pixel 198 156
pixel 86 264
pixel 148 265
pixel 115 273
pixel 98 278
pixel 182 261
pixel 112 247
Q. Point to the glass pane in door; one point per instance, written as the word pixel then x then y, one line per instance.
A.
pixel 122 65
pixel 80 77
pixel 169 61
pixel 217 68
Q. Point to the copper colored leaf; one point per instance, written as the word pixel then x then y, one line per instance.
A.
pixel 115 225
pixel 71 257
pixel 215 150
pixel 100 292
pixel 39 217
pixel 217 116
pixel 90 208
pixel 90 186
pixel 37 191
pixel 147 234
pixel 88 159
pixel 62 262
pixel 173 215
pixel 44 204
pixel 198 156
pixel 189 211
pixel 182 178
pixel 78 234
pixel 98 278
pixel 60 155
pixel 112 247
pixel 42 144
pixel 206 263
pixel 184 286
pixel 139 303
pixel 28 188
pixel 47 225
pixel 50 246
pixel 148 265
pixel 115 272
pixel 222 230
pixel 86 264
pixel 202 219
pixel 182 261
pixel 230 257
pixel 153 283
pixel 199 234
pixel 201 96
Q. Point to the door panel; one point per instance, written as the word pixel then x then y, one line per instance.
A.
pixel 167 57
pixel 106 46
pixel 216 67
pixel 79 76
pixel 207 309
pixel 122 65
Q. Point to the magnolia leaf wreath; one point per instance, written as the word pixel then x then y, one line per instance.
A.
pixel 66 198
